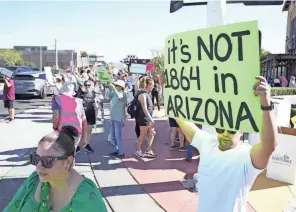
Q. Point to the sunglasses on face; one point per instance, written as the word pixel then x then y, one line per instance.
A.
pixel 87 85
pixel 46 161
pixel 221 131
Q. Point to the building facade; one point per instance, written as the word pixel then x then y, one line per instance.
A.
pixel 45 57
pixel 284 64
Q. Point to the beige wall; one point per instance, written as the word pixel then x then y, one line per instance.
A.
pixel 290 17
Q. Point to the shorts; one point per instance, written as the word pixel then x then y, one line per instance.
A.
pixel 90 117
pixel 173 122
pixel 8 104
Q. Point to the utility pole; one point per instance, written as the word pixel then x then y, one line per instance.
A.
pixel 56 54
pixel 40 58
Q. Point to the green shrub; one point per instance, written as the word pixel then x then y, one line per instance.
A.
pixel 283 91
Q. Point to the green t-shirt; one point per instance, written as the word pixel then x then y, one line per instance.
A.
pixel 86 199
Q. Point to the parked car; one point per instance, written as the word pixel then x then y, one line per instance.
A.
pixel 32 83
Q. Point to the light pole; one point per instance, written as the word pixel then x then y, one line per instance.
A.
pixel 40 58
pixel 56 54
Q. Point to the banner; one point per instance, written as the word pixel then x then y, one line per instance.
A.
pixel 103 75
pixel 210 75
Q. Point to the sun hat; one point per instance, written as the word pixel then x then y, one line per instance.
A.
pixel 67 89
pixel 120 83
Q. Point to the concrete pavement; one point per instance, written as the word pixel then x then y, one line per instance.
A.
pixel 19 138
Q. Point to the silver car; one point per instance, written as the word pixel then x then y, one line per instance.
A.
pixel 32 83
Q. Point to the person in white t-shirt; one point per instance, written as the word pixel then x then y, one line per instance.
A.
pixel 227 168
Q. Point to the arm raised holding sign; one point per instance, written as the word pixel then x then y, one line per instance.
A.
pixel 261 152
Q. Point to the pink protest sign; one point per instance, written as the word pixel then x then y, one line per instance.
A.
pixel 150 67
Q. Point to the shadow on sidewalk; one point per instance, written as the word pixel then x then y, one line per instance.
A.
pixel 22 155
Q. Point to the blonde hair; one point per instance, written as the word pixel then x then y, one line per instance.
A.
pixel 145 82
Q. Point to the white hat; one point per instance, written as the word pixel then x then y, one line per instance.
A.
pixel 120 83
pixel 67 89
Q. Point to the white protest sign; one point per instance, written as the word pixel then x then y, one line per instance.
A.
pixel 6 72
pixel 138 68
pixel 49 76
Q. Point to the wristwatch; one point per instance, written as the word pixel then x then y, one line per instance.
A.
pixel 268 108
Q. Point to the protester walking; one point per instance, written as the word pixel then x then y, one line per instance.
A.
pixel 144 118
pixel 226 165
pixel 90 104
pixel 9 97
pixel 68 110
pixel 155 92
pixel 117 115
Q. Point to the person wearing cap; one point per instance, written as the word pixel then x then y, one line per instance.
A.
pixel 68 111
pixel 117 115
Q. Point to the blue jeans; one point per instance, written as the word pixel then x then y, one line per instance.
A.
pixel 116 132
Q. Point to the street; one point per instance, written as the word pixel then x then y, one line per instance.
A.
pixel 22 104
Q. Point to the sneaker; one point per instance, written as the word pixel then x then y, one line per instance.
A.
pixel 139 154
pixel 174 147
pixel 150 154
pixel 120 155
pixel 9 120
pixel 77 149
pixel 183 149
pixel 88 148
pixel 114 153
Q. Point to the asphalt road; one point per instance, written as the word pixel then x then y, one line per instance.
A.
pixel 22 104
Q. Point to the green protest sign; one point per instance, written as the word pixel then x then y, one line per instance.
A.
pixel 210 74
pixel 103 75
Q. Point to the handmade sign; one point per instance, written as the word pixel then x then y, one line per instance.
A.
pixel 210 75
pixel 103 75
pixel 49 76
pixel 6 72
pixel 138 66
pixel 150 67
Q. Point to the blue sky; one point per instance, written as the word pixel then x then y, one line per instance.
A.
pixel 117 28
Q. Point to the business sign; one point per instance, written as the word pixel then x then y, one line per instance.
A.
pixel 138 66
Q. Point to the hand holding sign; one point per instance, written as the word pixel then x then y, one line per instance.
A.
pixel 262 88
pixel 209 74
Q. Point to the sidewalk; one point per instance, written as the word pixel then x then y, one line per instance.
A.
pixel 121 191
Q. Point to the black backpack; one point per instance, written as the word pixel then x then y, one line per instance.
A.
pixel 132 108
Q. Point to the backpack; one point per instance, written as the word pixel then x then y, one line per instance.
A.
pixel 132 108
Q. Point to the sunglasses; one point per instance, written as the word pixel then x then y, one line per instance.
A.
pixel 88 85
pixel 221 131
pixel 46 161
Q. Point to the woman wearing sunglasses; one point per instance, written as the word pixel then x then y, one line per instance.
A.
pixel 55 185
pixel 90 104
pixel 227 168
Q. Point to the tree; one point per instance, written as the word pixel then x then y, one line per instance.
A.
pixel 30 64
pixel 263 53
pixel 11 57
pixel 158 60
pixel 83 54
